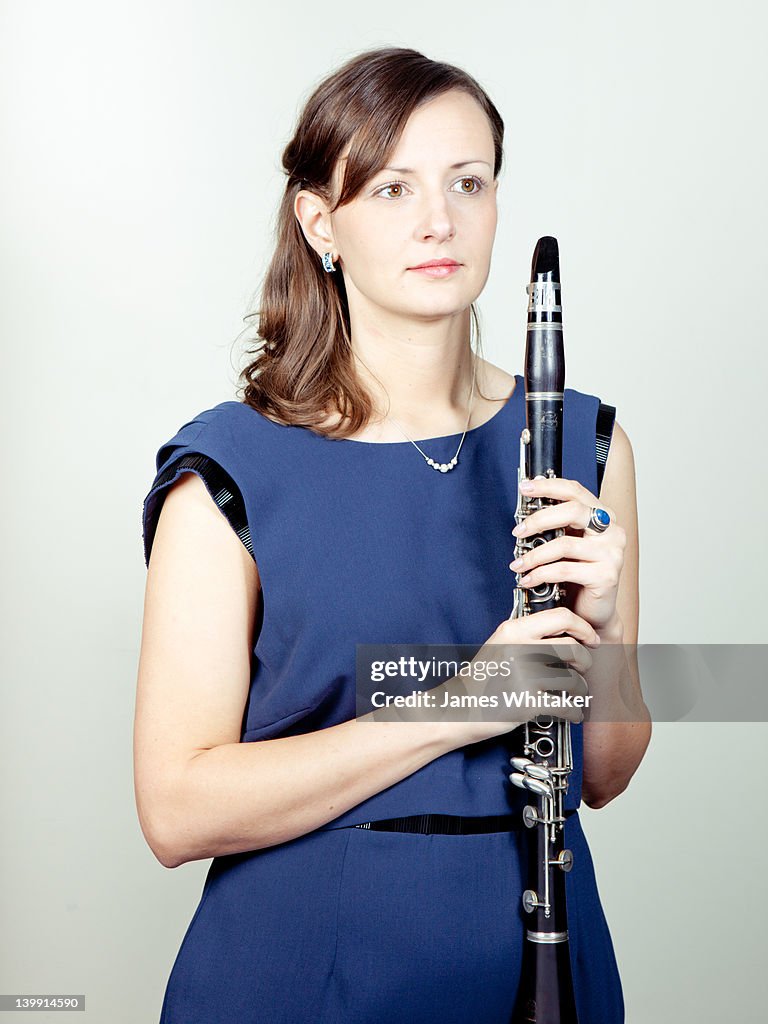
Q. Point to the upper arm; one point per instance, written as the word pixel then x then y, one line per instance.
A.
pixel 612 751
pixel 619 493
pixel 200 607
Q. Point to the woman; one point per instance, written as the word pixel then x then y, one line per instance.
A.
pixel 338 531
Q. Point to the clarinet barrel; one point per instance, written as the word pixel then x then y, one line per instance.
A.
pixel 545 763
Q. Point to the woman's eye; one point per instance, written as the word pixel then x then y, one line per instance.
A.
pixel 471 181
pixel 468 186
pixel 393 185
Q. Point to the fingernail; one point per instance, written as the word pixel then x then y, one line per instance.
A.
pixel 516 564
pixel 526 486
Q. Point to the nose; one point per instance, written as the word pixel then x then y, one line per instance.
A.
pixel 437 218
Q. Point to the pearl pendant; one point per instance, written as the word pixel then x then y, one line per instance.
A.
pixel 443 467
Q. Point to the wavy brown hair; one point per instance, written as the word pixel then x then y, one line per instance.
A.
pixel 303 366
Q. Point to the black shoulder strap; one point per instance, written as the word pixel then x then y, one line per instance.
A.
pixel 606 414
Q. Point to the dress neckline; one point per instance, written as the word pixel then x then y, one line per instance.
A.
pixel 444 437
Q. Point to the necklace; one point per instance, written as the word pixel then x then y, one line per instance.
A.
pixel 445 467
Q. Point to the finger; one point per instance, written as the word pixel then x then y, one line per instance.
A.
pixel 559 488
pixel 567 680
pixel 590 574
pixel 584 549
pixel 572 653
pixel 553 517
pixel 552 621
pixel 589 530
pixel 563 649
pixel 553 676
pixel 570 668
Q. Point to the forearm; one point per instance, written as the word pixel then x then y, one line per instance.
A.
pixel 618 734
pixel 244 796
pixel 616 750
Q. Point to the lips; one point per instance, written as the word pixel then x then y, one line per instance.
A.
pixel 436 263
pixel 437 269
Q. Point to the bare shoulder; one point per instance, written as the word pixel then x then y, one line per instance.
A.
pixel 619 489
pixel 190 519
pixel 495 384
pixel 620 467
pixel 621 441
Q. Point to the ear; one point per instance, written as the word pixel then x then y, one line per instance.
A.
pixel 315 220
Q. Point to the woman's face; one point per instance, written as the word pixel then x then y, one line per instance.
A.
pixel 435 200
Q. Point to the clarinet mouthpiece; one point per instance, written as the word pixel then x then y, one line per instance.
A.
pixel 546 259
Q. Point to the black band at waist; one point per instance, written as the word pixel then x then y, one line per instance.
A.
pixel 448 824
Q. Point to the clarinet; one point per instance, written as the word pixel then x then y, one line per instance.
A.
pixel 546 989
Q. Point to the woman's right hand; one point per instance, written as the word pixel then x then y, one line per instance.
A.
pixel 539 633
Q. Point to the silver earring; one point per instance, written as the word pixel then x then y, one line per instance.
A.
pixel 328 262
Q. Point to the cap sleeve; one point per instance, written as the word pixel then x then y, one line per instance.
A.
pixel 606 416
pixel 188 451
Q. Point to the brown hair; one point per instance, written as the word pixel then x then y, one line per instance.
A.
pixel 304 367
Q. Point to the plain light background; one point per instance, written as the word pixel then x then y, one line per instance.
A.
pixel 139 181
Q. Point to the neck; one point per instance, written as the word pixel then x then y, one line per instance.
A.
pixel 419 374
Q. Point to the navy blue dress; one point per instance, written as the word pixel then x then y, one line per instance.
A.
pixel 363 543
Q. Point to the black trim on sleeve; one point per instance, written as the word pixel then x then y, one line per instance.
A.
pixel 221 487
pixel 606 415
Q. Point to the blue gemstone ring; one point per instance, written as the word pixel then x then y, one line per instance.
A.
pixel 599 520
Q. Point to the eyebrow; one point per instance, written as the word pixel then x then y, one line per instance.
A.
pixel 454 167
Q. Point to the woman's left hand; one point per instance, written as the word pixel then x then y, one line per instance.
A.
pixel 591 560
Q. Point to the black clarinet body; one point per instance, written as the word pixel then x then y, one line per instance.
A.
pixel 546 989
